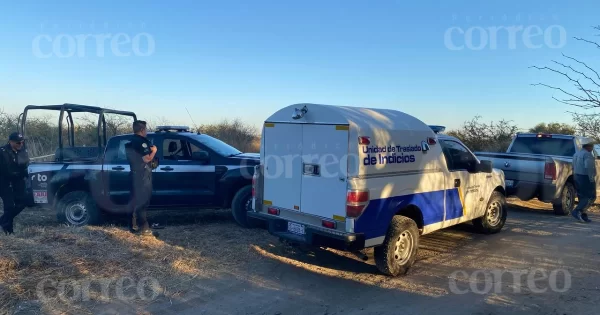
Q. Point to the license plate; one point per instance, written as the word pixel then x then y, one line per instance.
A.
pixel 40 196
pixel 296 228
pixel 509 183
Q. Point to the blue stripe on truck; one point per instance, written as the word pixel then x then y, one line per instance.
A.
pixel 375 220
pixel 454 206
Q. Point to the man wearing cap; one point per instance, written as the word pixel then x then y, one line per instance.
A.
pixel 584 170
pixel 14 162
pixel 140 154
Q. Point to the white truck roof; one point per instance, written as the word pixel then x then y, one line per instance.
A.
pixel 360 118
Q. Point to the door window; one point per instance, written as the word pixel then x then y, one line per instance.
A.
pixel 176 149
pixel 115 152
pixel 457 156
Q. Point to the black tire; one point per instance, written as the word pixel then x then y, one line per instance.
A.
pixel 77 208
pixel 495 215
pixel 240 205
pixel 388 260
pixel 566 203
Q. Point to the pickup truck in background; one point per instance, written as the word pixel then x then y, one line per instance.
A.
pixel 540 166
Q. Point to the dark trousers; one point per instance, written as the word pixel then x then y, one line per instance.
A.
pixel 141 194
pixel 586 192
pixel 14 198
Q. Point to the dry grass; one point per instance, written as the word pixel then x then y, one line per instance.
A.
pixel 43 251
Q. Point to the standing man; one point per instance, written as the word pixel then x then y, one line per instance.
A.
pixel 584 169
pixel 14 162
pixel 140 154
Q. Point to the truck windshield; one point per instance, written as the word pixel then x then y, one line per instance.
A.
pixel 217 145
pixel 545 146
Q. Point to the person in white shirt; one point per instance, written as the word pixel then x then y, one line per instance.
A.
pixel 584 170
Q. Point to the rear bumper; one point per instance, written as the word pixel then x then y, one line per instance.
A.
pixel 313 236
pixel 528 190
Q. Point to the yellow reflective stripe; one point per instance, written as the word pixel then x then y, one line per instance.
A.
pixel 342 127
pixel 267 202
pixel 339 218
pixel 267 125
pixel 462 201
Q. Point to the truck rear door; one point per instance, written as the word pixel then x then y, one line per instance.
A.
pixel 282 165
pixel 306 168
pixel 116 171
pixel 324 158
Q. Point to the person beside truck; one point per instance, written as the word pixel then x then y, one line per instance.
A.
pixel 13 174
pixel 140 154
pixel 584 170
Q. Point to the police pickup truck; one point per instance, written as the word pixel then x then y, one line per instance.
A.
pixel 352 178
pixel 194 171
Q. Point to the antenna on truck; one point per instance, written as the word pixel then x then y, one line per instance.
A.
pixel 192 119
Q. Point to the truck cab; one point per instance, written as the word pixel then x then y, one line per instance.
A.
pixel 194 170
pixel 353 178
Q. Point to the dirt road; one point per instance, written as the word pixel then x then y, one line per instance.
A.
pixel 445 279
pixel 540 264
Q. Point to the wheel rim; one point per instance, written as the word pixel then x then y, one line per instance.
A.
pixel 76 213
pixel 494 213
pixel 248 204
pixel 403 247
pixel 569 199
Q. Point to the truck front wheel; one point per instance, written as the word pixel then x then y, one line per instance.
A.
pixel 240 205
pixel 399 250
pixel 495 215
pixel 77 208
pixel 566 203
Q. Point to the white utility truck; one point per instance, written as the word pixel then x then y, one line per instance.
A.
pixel 352 178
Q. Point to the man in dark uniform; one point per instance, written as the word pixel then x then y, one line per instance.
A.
pixel 140 154
pixel 14 162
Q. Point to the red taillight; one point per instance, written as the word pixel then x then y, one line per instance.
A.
pixel 544 136
pixel 328 224
pixel 356 202
pixel 364 140
pixel 550 170
pixel 431 141
pixel 355 196
pixel 273 211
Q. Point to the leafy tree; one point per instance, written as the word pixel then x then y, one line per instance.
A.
pixel 553 127
pixel 480 136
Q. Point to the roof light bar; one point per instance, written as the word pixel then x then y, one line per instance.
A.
pixel 173 128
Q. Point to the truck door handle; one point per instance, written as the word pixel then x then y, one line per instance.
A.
pixel 457 182
pixel 118 168
pixel 168 168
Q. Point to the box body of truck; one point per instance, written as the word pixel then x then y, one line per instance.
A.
pixel 336 176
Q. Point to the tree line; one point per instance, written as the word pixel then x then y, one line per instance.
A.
pixel 42 131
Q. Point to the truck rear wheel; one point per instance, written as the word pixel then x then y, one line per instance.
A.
pixel 495 215
pixel 566 203
pixel 77 208
pixel 399 250
pixel 240 205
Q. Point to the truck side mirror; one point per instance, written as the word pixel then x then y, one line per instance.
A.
pixel 200 156
pixel 485 166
